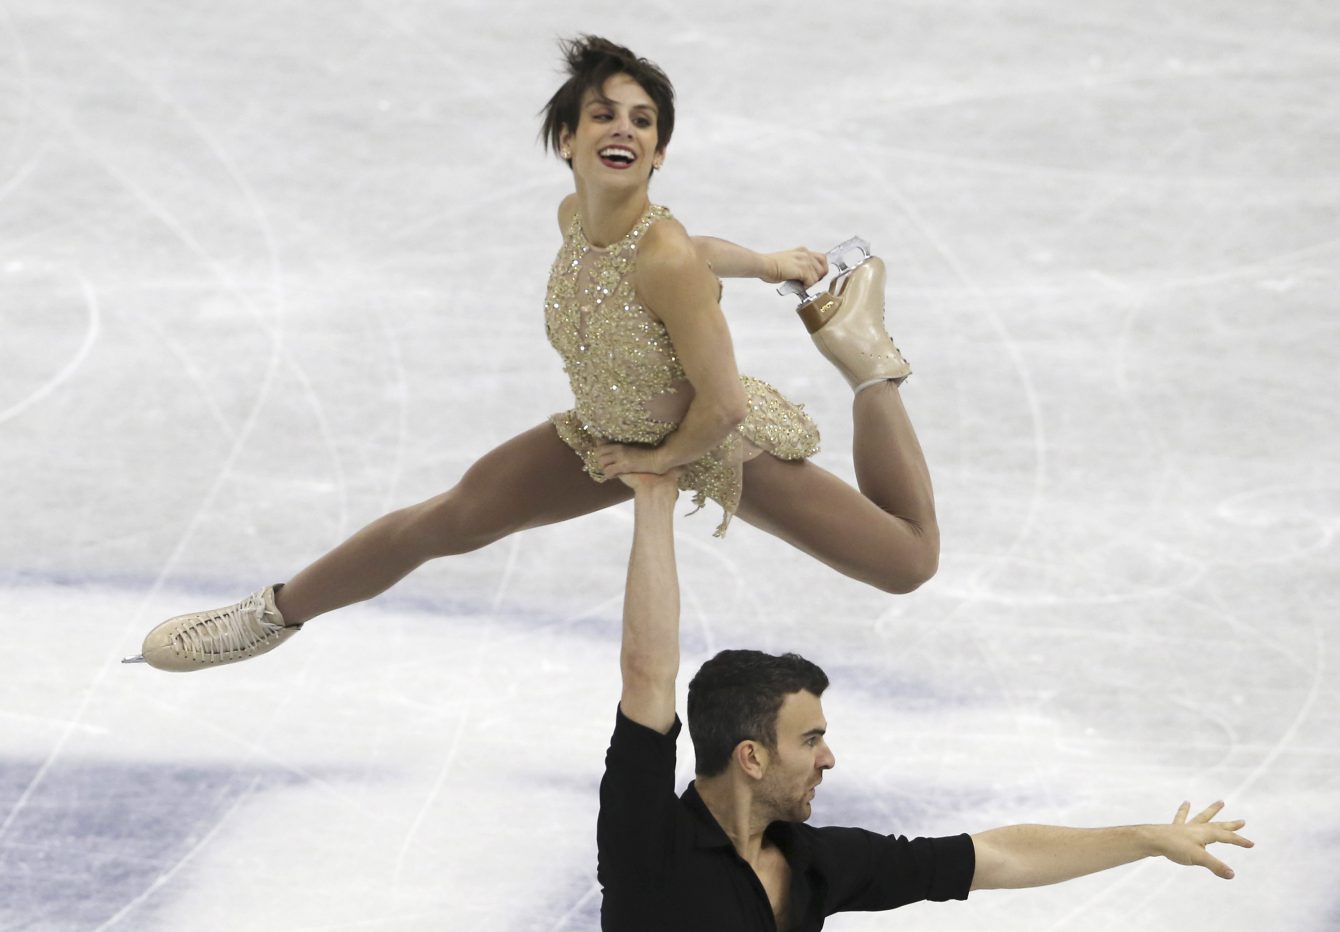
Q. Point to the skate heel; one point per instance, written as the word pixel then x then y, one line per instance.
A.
pixel 846 320
pixel 818 310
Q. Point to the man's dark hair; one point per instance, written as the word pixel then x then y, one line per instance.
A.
pixel 736 696
pixel 591 61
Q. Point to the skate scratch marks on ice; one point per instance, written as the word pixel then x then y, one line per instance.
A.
pixel 249 424
pixel 91 333
pixel 513 544
pixel 168 874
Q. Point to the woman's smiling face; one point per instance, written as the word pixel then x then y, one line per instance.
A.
pixel 616 138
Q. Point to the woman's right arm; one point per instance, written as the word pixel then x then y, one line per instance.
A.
pixel 729 260
pixel 675 284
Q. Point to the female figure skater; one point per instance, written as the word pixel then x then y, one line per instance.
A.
pixel 633 310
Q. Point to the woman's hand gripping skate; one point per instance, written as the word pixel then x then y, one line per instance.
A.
pixel 800 264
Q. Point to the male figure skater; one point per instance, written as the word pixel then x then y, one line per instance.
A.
pixel 733 853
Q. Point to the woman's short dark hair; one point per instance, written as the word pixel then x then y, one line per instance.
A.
pixel 591 61
pixel 736 696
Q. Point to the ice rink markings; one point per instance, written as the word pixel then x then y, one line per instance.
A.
pixel 92 330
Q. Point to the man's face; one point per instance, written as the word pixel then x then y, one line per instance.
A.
pixel 798 764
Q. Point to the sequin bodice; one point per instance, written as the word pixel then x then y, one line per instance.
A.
pixel 619 359
pixel 617 355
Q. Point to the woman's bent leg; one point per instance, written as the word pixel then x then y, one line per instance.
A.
pixel 532 480
pixel 885 534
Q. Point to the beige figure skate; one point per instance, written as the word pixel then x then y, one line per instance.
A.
pixel 221 636
pixel 846 321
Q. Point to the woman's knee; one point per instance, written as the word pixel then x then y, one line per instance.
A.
pixel 913 567
pixel 454 522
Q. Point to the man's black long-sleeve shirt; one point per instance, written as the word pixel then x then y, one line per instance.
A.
pixel 666 865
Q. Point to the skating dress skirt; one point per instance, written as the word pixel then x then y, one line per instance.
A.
pixel 620 362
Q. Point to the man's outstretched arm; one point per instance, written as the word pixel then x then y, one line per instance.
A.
pixel 649 659
pixel 1034 855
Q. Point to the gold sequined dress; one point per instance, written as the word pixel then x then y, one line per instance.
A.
pixel 621 363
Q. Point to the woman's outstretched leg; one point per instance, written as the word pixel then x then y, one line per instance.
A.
pixel 532 480
pixel 885 534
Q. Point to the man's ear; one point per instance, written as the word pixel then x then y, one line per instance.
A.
pixel 752 758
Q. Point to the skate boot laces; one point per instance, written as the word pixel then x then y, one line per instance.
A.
pixel 234 629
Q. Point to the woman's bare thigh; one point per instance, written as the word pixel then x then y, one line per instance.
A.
pixel 817 512
pixel 529 481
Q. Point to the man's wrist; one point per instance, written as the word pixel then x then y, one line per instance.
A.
pixel 660 461
pixel 664 490
pixel 1151 840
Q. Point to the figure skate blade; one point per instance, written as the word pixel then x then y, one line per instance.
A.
pixel 836 261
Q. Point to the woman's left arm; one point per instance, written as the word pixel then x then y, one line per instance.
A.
pixel 729 260
pixel 675 284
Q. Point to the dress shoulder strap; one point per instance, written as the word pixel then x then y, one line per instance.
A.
pixel 653 213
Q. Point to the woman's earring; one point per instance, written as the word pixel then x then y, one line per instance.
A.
pixel 565 155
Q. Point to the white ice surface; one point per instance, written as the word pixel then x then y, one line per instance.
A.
pixel 268 270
